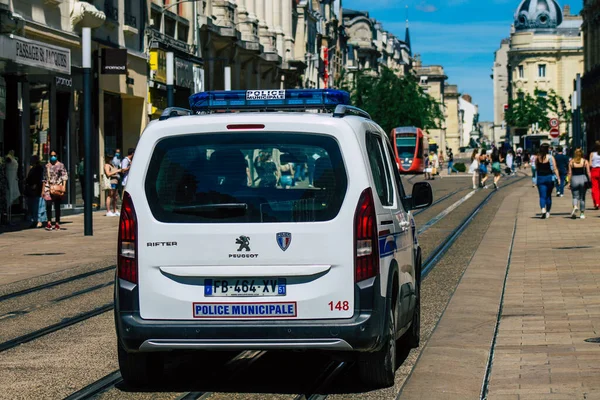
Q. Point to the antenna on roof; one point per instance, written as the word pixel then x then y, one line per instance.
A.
pixel 407 16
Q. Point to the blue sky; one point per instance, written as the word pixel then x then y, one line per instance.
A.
pixel 460 35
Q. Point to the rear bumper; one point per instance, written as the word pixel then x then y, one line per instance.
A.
pixel 362 332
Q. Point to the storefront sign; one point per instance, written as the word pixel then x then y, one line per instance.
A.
pixel 2 98
pixel 184 73
pixel 168 41
pixel 114 61
pixel 36 54
pixel 66 82
pixel 158 64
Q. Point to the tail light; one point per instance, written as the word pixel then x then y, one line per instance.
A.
pixel 366 261
pixel 127 263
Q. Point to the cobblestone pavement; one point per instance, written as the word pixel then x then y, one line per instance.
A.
pixel 533 335
pixel 33 252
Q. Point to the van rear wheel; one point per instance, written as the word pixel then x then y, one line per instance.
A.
pixel 140 369
pixel 379 368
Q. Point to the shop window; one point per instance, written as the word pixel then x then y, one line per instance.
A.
pixel 182 32
pixel 156 19
pixel 170 26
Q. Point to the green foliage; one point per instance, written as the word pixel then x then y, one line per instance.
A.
pixel 393 101
pixel 460 167
pixel 526 109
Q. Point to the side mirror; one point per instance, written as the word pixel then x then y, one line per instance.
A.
pixel 422 196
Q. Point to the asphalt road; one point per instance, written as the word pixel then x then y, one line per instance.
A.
pixel 63 362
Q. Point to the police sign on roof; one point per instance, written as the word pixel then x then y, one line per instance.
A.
pixel 265 95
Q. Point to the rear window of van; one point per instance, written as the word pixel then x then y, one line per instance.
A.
pixel 246 178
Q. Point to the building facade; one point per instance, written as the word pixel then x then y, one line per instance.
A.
pixel 41 72
pixel 451 113
pixel 591 78
pixel 468 113
pixel 433 79
pixel 500 79
pixel 546 52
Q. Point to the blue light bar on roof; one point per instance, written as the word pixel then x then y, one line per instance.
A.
pixel 268 99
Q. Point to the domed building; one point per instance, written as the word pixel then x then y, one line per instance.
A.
pixel 545 51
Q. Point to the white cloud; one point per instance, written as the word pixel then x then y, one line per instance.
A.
pixel 426 7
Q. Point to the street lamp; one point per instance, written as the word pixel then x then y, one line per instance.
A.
pixel 170 74
pixel 86 62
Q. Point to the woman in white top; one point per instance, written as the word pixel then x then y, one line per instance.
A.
pixel 595 172
pixel 509 161
pixel 474 168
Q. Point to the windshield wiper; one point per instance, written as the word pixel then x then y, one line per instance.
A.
pixel 203 208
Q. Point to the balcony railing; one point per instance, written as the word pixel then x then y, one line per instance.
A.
pixel 111 11
pixel 130 20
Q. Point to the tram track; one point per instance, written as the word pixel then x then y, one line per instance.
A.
pixel 435 257
pixel 53 284
pixel 326 378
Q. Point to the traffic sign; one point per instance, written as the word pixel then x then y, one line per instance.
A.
pixel 554 133
pixel 554 123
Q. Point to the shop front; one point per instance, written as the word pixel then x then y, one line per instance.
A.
pixel 186 81
pixel 37 96
pixel 122 102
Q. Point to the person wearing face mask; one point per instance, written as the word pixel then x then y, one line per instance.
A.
pixel 55 185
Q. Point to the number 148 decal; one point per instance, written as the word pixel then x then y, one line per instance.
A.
pixel 339 306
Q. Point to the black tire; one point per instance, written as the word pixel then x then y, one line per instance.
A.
pixel 378 369
pixel 140 369
pixel 412 337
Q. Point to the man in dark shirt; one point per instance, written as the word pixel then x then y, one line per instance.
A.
pixel 562 164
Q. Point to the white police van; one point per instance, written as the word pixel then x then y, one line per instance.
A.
pixel 267 229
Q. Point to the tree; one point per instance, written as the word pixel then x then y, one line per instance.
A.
pixel 527 110
pixel 394 101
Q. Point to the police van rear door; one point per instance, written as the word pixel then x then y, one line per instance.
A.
pixel 255 222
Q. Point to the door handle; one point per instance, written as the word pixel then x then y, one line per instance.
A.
pixel 387 222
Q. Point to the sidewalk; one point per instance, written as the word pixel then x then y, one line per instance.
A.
pixel 34 252
pixel 551 306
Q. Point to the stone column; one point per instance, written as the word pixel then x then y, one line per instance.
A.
pixel 286 17
pixel 263 7
pixel 277 28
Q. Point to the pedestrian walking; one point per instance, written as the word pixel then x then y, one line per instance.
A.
pixel 525 158
pixel 125 165
pixel 55 187
pixel 116 162
pixel 428 169
pixel 562 164
pixel 81 176
pixel 111 183
pixel 547 175
pixel 533 169
pixel 595 174
pixel 451 168
pixel 474 168
pixel 436 164
pixel 579 181
pixel 33 191
pixel 496 167
pixel 510 162
pixel 440 162
pixel 483 171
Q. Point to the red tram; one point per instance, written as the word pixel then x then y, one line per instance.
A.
pixel 410 146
